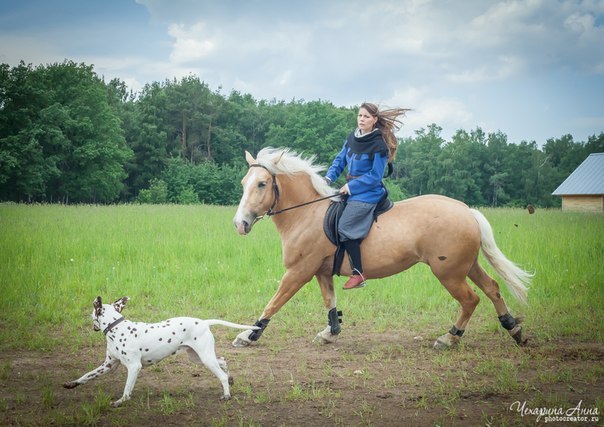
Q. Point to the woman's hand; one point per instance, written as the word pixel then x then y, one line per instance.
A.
pixel 345 189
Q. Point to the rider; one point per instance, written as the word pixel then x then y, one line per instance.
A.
pixel 366 153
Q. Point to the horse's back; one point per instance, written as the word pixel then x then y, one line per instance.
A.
pixel 432 199
pixel 430 229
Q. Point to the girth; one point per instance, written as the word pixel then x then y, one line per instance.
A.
pixel 330 226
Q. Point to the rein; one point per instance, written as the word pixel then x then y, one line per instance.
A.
pixel 270 211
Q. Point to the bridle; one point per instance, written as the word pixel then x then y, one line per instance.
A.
pixel 271 211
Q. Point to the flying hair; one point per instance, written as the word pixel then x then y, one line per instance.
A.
pixel 389 121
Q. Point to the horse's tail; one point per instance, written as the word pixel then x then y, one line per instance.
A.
pixel 516 279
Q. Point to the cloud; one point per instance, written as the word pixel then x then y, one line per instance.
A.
pixel 456 63
pixel 190 43
pixel 449 113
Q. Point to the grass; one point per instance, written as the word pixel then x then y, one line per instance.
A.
pixel 188 260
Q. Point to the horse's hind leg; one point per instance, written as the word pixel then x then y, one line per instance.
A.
pixel 461 291
pixel 491 289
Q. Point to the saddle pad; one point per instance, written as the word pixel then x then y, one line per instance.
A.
pixel 330 222
pixel 330 226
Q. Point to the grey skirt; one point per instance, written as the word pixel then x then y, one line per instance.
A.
pixel 356 220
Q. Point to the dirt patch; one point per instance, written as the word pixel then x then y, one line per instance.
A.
pixel 377 379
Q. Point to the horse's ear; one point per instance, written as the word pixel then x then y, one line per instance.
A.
pixel 250 160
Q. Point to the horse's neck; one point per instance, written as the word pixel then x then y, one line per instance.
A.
pixel 293 191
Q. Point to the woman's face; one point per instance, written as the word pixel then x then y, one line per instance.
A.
pixel 365 121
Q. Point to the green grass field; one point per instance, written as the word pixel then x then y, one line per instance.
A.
pixel 188 260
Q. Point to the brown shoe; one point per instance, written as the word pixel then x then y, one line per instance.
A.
pixel 356 281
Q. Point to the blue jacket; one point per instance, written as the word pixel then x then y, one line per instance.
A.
pixel 366 159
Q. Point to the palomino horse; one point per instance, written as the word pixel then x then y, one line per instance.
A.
pixel 441 232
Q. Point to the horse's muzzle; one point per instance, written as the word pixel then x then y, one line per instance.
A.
pixel 243 227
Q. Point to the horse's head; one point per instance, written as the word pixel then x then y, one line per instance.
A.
pixel 258 195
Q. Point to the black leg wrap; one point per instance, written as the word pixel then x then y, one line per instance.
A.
pixel 456 332
pixel 334 318
pixel 263 323
pixel 507 321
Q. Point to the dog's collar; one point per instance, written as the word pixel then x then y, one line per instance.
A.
pixel 112 325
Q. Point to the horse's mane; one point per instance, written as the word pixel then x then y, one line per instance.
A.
pixel 287 162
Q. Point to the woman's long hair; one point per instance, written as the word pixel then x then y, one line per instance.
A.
pixel 388 121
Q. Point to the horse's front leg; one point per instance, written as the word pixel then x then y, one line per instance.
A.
pixel 331 332
pixel 291 282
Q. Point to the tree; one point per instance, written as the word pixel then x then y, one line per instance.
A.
pixel 417 167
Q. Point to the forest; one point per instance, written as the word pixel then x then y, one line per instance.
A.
pixel 68 136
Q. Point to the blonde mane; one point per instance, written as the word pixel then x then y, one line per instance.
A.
pixel 287 162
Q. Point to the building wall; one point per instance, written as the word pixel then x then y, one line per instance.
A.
pixel 583 203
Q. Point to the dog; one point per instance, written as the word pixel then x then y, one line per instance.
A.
pixel 137 344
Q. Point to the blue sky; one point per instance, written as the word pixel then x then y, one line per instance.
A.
pixel 532 69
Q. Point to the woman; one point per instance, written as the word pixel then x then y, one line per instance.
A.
pixel 365 153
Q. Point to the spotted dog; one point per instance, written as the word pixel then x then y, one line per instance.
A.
pixel 137 344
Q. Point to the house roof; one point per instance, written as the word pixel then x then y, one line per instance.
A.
pixel 587 179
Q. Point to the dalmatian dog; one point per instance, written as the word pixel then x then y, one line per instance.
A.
pixel 137 344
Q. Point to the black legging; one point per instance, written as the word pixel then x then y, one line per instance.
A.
pixel 353 247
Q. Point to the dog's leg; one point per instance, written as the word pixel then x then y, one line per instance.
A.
pixel 108 365
pixel 133 370
pixel 225 368
pixel 207 356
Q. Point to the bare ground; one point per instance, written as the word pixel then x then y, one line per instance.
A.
pixel 392 379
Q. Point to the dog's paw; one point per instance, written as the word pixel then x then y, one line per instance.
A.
pixel 71 384
pixel 225 397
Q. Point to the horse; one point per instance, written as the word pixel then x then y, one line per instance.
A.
pixel 439 231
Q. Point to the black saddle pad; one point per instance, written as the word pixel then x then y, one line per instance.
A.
pixel 330 226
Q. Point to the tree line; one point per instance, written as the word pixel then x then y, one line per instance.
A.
pixel 68 136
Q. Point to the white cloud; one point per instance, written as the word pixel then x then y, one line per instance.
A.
pixel 456 63
pixel 449 113
pixel 190 43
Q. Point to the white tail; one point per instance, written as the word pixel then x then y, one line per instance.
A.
pixel 516 279
pixel 211 322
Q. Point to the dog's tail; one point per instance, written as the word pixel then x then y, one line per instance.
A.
pixel 211 322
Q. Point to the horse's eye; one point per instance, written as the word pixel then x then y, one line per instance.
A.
pixel 262 184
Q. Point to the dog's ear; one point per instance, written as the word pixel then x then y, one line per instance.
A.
pixel 120 304
pixel 98 306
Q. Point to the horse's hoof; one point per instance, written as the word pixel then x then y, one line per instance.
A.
pixel 439 345
pixel 242 339
pixel 322 340
pixel 325 336
pixel 239 343
pixel 446 342
pixel 520 341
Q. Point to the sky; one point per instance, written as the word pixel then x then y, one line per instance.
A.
pixel 532 69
